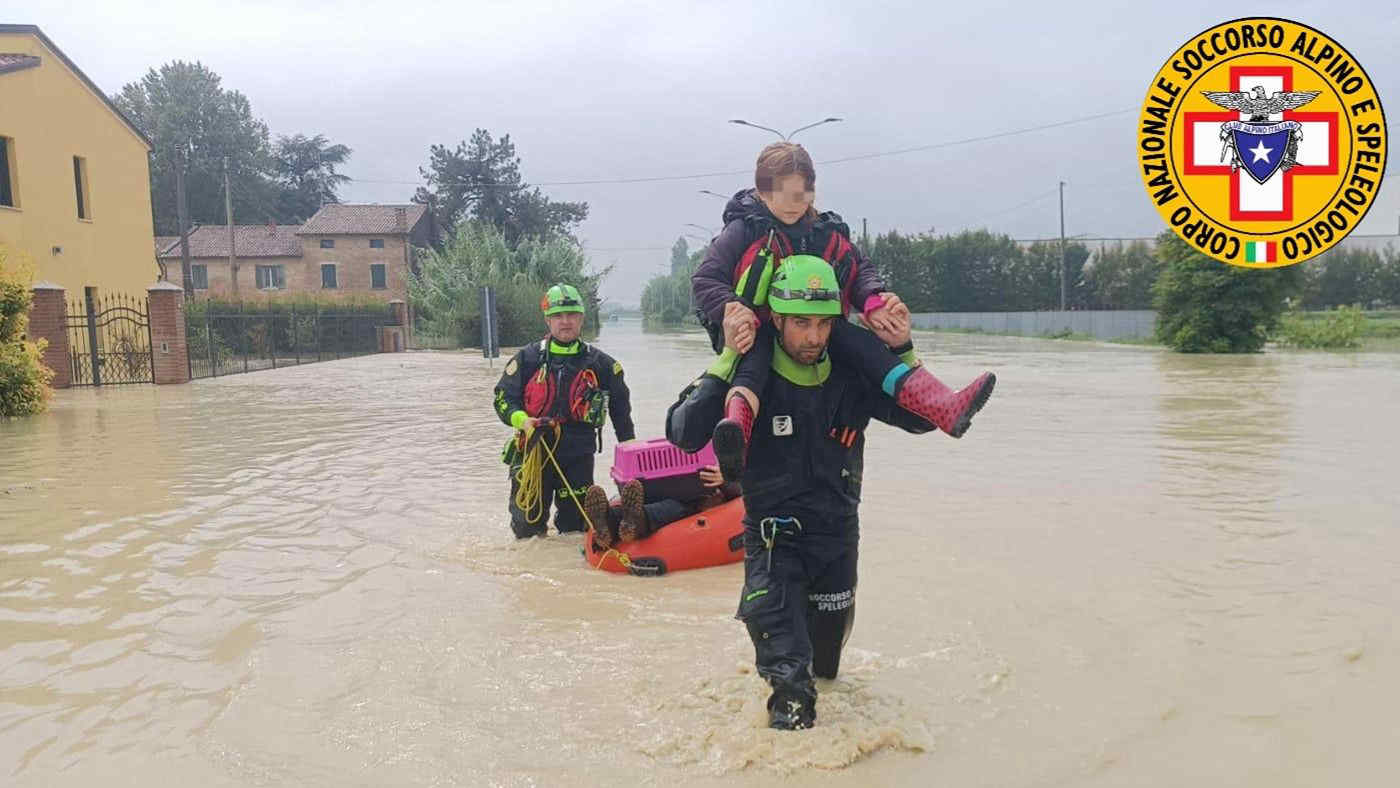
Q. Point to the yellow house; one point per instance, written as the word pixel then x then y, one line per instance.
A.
pixel 75 186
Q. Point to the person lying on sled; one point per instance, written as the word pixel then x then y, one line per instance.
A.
pixel 637 518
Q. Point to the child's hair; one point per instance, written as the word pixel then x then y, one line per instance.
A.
pixel 780 160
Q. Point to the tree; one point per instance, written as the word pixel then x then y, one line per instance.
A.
pixel 680 255
pixel 306 175
pixel 446 292
pixel 530 214
pixel 1121 277
pixel 1034 280
pixel 1388 278
pixel 666 300
pixel 1340 277
pixel 904 262
pixel 481 180
pixel 1206 306
pixel 970 271
pixel 977 271
pixel 194 123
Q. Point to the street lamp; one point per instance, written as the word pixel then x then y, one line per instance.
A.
pixel 714 194
pixel 810 125
pixel 788 136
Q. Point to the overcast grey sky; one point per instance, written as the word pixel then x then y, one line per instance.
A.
pixel 613 90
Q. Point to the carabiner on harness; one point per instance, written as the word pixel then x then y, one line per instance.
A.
pixel 770 527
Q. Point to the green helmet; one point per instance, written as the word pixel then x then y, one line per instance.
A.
pixel 561 298
pixel 804 285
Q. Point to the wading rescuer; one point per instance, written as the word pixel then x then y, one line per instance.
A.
pixel 557 393
pixel 801 485
pixel 762 227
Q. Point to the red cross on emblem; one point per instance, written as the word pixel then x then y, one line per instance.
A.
pixel 1273 199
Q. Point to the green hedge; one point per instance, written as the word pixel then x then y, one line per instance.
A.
pixel 24 380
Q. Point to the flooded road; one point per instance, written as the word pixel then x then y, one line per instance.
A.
pixel 1136 568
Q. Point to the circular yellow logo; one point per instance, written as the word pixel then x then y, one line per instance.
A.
pixel 1262 142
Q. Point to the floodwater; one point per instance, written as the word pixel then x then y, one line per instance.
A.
pixel 1137 568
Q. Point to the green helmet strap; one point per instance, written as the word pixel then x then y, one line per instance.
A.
pixel 807 295
pixel 805 285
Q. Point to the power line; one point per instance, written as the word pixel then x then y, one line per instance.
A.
pixel 1100 187
pixel 1037 198
pixel 593 182
pixel 985 137
pixel 727 173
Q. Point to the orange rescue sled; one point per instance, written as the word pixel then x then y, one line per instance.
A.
pixel 709 538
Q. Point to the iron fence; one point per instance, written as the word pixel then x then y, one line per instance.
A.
pixel 225 341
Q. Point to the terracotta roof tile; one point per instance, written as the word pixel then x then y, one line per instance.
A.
pixel 364 220
pixel 249 240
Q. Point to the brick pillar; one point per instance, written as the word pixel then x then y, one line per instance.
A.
pixel 48 319
pixel 400 308
pixel 391 339
pixel 168 348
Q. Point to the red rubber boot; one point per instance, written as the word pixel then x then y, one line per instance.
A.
pixel 732 436
pixel 951 411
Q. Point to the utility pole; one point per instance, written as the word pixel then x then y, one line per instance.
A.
pixel 228 214
pixel 187 281
pixel 1062 246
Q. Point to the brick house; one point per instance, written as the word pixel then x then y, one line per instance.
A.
pixel 258 246
pixel 344 250
pixel 364 248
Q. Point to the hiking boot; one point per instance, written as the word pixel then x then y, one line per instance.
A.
pixel 595 505
pixel 791 712
pixel 634 513
pixel 732 437
pixel 951 411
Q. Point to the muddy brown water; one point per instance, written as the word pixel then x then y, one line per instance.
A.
pixel 1137 568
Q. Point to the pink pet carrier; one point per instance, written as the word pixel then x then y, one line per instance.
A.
pixel 664 470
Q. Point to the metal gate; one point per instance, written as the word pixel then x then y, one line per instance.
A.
pixel 110 338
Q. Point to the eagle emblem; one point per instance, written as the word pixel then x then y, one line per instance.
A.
pixel 1259 146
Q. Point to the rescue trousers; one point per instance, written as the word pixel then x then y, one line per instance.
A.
pixel 798 601
pixel 578 476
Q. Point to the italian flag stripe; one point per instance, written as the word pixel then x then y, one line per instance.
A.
pixel 1259 252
